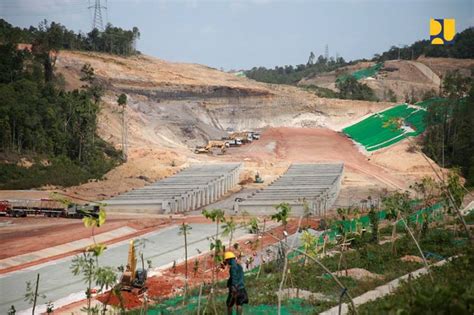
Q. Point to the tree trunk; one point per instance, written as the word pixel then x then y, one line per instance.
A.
pixel 36 294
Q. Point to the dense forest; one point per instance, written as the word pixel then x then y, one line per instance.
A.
pixel 463 48
pixel 39 120
pixel 113 40
pixel 449 137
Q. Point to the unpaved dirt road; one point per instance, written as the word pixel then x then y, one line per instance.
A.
pixel 303 145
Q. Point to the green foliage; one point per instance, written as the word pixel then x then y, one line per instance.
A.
pixel 463 48
pixel 122 100
pixel 293 74
pixel 374 223
pixel 39 119
pixel 448 138
pixel 228 229
pixel 95 220
pixel 310 243
pixel 397 202
pixel 451 293
pixel 113 40
pixel 283 213
pixel 61 171
pixel 350 88
pixel 252 225
pixel 30 294
pixel 321 92
pixel 455 189
pixel 184 229
pixel 216 215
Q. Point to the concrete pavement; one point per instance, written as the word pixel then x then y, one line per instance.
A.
pixel 57 281
pixel 64 248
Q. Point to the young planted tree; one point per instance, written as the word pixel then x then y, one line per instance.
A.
pixel 283 213
pixel 398 206
pixel 32 294
pixel 88 266
pixel 184 230
pixel 228 229
pixel 306 212
pixel 310 244
pixel 374 223
pixel 217 216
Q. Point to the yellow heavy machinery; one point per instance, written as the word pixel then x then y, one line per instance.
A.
pixel 133 279
pixel 213 144
pixel 242 136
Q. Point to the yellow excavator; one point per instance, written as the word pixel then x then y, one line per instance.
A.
pixel 133 279
pixel 213 144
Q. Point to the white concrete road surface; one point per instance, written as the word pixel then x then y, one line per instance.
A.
pixel 57 281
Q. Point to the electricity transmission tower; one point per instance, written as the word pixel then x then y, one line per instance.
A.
pixel 326 52
pixel 98 21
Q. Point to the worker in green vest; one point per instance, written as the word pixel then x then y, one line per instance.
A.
pixel 237 293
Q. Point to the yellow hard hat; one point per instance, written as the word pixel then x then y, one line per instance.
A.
pixel 228 255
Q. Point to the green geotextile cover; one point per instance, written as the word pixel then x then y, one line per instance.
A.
pixel 175 306
pixel 362 73
pixel 375 132
pixel 427 103
pixel 432 213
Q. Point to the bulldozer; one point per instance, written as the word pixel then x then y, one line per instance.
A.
pixel 133 279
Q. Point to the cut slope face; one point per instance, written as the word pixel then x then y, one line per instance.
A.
pixel 173 107
pixel 178 106
pixel 405 78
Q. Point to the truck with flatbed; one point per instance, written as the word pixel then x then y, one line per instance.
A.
pixel 46 207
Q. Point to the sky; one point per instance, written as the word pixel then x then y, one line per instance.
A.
pixel 242 34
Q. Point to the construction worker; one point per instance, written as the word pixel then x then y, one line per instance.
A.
pixel 237 293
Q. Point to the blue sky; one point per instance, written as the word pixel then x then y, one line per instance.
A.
pixel 245 33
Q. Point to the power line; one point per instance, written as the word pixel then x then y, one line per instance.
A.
pixel 98 21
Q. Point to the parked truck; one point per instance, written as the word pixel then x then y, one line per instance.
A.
pixel 46 207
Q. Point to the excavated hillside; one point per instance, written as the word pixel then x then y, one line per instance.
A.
pixel 172 107
pixel 406 78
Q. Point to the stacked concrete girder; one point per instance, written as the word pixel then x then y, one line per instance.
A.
pixel 190 189
pixel 313 185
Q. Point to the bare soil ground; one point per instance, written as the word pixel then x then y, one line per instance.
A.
pixel 307 145
pixel 25 235
pixel 441 66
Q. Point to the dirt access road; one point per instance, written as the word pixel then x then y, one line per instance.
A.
pixel 310 145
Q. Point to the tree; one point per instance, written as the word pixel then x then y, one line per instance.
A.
pixel 122 102
pixel 229 228
pixel 87 264
pixel 32 295
pixel 283 213
pixel 184 230
pixel 216 215
pixel 350 88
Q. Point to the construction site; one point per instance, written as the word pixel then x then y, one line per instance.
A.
pixel 330 205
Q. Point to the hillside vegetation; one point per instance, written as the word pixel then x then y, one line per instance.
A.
pixel 336 78
pixel 54 129
pixel 113 40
